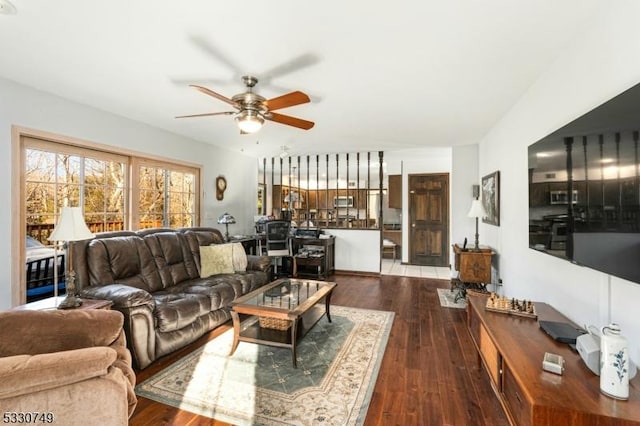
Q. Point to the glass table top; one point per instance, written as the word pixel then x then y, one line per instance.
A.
pixel 286 294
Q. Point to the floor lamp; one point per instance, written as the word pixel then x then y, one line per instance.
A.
pixel 70 227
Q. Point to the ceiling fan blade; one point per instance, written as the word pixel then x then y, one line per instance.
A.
pixel 290 121
pixel 211 50
pixel 207 114
pixel 302 61
pixel 277 88
pixel 288 100
pixel 215 95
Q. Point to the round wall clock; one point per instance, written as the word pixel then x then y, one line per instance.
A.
pixel 221 185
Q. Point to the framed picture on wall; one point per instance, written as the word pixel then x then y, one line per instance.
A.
pixel 491 198
pixel 261 205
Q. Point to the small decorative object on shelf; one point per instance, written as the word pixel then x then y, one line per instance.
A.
pixel 614 363
pixel 504 305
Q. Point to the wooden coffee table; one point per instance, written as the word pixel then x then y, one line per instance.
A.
pixel 280 313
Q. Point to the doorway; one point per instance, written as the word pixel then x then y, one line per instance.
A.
pixel 429 219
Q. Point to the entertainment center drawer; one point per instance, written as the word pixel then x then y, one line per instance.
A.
pixel 490 355
pixel 517 403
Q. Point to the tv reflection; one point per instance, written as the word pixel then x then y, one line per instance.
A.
pixel 584 189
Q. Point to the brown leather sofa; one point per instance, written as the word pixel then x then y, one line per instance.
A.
pixel 153 278
pixel 65 368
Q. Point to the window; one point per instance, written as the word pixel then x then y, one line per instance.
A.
pixel 116 191
pixel 166 195
pixel 57 175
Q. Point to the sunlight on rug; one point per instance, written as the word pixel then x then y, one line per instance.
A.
pixel 338 364
pixel 447 299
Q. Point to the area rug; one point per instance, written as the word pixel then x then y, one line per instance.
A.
pixel 338 364
pixel 447 297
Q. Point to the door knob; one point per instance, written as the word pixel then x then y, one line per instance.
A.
pixel 413 225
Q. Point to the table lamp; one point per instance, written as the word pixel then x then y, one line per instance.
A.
pixel 70 227
pixel 476 211
pixel 226 219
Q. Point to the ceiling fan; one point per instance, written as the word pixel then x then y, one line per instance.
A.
pixel 252 109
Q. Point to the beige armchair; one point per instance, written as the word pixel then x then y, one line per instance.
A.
pixel 70 365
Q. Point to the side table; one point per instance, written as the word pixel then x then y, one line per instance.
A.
pixel 474 269
pixel 51 303
pixel 317 261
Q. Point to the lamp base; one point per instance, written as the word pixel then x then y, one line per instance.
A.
pixel 70 302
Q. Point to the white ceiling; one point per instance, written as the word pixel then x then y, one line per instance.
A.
pixel 381 75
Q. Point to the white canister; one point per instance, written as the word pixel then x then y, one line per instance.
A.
pixel 614 363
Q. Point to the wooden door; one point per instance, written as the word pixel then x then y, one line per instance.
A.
pixel 395 191
pixel 429 219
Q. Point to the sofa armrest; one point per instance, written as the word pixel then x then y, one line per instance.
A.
pixel 122 296
pixel 258 263
pixel 24 332
pixel 23 374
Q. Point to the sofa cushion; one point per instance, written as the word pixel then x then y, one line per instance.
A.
pixel 175 311
pixel 239 257
pixel 197 237
pixel 172 257
pixel 216 259
pixel 221 292
pixel 123 260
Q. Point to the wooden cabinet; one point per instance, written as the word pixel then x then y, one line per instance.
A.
pixel 512 348
pixel 473 266
pixel 313 200
pixel 395 191
pixel 538 194
pixel 326 245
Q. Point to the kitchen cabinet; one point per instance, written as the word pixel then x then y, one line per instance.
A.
pixel 395 191
pixel 539 194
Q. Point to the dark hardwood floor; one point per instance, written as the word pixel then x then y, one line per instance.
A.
pixel 430 374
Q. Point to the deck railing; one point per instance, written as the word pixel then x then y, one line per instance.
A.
pixel 42 231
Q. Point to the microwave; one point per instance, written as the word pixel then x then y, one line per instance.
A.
pixel 562 197
pixel 343 201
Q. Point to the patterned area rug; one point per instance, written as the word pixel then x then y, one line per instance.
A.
pixel 338 364
pixel 447 299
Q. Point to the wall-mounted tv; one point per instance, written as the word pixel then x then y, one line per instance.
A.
pixel 584 189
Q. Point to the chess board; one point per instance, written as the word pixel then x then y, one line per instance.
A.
pixel 504 305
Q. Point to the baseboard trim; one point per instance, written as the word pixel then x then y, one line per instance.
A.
pixel 357 273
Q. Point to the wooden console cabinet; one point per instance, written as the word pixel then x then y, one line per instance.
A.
pixel 511 349
pixel 473 266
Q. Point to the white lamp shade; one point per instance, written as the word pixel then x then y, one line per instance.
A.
pixel 476 209
pixel 249 121
pixel 71 226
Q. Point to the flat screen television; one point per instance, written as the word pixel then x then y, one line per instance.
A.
pixel 584 189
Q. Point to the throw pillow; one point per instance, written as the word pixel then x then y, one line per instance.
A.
pixel 239 258
pixel 216 259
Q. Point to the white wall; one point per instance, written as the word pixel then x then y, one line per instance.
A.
pixel 357 250
pixel 464 174
pixel 27 107
pixel 601 63
pixel 415 161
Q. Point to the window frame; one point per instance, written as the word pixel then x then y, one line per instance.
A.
pixel 69 145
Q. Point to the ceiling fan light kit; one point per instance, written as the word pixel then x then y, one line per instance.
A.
pixel 249 121
pixel 253 109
